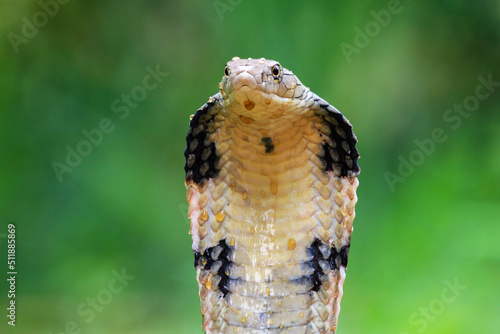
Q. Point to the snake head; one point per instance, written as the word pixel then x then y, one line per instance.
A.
pixel 258 82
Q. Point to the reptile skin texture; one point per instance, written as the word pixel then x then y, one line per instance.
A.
pixel 271 178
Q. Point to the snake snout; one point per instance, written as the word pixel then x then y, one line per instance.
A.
pixel 244 79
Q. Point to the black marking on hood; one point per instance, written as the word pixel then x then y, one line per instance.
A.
pixel 216 258
pixel 268 143
pixel 320 251
pixel 340 153
pixel 200 153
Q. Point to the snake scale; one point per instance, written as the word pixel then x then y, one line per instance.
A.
pixel 271 178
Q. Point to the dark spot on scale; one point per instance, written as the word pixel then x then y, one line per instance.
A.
pixel 249 105
pixel 268 143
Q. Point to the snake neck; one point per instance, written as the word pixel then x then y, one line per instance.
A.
pixel 272 211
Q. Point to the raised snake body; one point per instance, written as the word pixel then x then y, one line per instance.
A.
pixel 271 177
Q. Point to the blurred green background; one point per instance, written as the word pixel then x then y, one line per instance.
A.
pixel 435 224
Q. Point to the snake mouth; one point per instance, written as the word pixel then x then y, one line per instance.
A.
pixel 245 88
pixel 244 79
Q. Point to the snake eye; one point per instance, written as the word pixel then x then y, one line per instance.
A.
pixel 227 71
pixel 276 71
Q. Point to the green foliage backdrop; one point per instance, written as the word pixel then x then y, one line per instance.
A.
pixel 409 75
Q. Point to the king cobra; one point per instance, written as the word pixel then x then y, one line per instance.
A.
pixel 271 178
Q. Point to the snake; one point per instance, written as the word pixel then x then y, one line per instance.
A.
pixel 271 178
